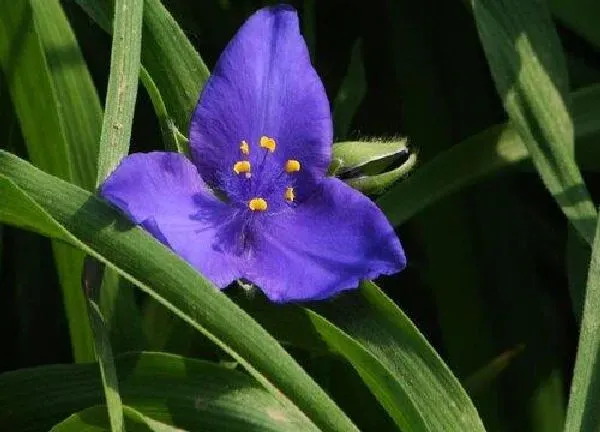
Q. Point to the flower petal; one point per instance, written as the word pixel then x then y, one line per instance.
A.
pixel 326 245
pixel 164 193
pixel 263 85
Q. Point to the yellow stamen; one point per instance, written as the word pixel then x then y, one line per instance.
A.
pixel 292 166
pixel 268 143
pixel 241 167
pixel 244 148
pixel 257 204
pixel 289 194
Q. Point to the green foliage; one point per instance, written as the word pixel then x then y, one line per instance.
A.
pixel 497 103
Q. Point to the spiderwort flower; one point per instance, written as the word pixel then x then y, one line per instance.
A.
pixel 261 138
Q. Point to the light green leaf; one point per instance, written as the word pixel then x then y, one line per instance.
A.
pixel 173 390
pixel 582 411
pixel 528 67
pixel 100 231
pixel 122 86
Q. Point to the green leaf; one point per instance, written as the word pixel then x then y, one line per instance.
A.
pixel 528 67
pixel 382 329
pixel 94 419
pixel 582 411
pixel 351 93
pixel 187 393
pixel 60 116
pixel 495 149
pixel 108 371
pixel 100 231
pixel 122 86
pixel 385 348
pixel 114 146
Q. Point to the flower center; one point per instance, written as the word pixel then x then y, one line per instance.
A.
pixel 259 203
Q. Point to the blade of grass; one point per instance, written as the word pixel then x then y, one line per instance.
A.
pixel 122 86
pixel 108 372
pixel 582 411
pixel 114 145
pixel 100 231
pixel 528 67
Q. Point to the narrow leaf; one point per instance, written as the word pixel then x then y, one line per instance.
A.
pixel 108 371
pixel 122 86
pixel 582 411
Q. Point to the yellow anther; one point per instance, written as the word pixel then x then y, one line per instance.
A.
pixel 241 167
pixel 244 148
pixel 257 204
pixel 289 194
pixel 292 166
pixel 268 143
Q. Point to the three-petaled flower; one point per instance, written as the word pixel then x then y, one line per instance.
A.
pixel 261 139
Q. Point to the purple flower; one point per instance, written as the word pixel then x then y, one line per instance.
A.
pixel 260 139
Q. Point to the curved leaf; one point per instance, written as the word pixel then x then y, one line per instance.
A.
pixel 385 348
